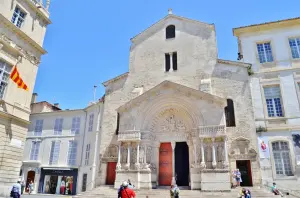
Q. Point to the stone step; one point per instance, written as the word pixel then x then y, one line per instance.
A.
pixel 109 192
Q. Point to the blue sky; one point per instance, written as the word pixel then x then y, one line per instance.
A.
pixel 88 41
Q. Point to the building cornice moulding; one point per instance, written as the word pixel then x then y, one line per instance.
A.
pixel 21 34
pixel 40 11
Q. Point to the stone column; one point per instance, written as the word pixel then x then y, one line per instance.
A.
pixel 203 165
pixel 195 153
pixel 173 144
pixel 157 146
pixel 137 164
pixel 119 157
pixel 128 156
pixel 226 163
pixel 214 162
pixel 171 61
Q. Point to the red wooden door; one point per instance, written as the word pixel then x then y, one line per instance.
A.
pixel 249 172
pixel 111 173
pixel 165 164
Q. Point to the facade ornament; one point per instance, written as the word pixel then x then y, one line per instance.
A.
pixel 28 55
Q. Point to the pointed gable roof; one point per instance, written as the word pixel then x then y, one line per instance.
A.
pixel 172 85
pixel 169 16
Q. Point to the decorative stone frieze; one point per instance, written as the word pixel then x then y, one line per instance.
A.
pixel 212 131
pixel 129 136
pixel 28 55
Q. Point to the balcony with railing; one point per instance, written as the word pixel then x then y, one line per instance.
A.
pixel 212 131
pixel 129 136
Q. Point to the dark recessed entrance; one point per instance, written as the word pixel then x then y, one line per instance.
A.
pixel 182 164
pixel 245 168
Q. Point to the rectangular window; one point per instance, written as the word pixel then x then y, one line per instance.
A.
pixel 167 62
pixel 91 122
pixel 75 125
pixel 18 17
pixel 273 101
pixel 58 126
pixel 87 154
pixel 84 181
pixel 54 152
pixel 264 52
pixel 35 148
pixel 72 153
pixel 295 47
pixel 38 127
pixel 174 61
pixel 4 77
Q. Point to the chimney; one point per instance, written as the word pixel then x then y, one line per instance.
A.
pixel 33 98
pixel 56 105
pixel 170 11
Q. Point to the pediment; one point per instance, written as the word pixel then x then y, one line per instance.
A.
pixel 162 23
pixel 178 88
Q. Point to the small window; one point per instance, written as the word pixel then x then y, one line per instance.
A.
pixel 273 101
pixel 264 52
pixel 170 32
pixel 38 127
pixel 72 152
pixel 91 122
pixel 167 62
pixel 4 77
pixel 174 61
pixel 18 17
pixel 58 126
pixel 295 47
pixel 35 148
pixel 54 152
pixel 229 114
pixel 87 154
pixel 282 160
pixel 75 125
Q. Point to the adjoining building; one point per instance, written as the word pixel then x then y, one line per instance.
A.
pixel 180 114
pixel 61 148
pixel 273 49
pixel 23 25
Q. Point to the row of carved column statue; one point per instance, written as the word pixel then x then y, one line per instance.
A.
pixel 213 144
pixel 141 161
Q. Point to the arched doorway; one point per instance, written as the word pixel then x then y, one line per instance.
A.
pixel 30 177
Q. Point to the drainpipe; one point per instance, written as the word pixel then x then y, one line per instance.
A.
pixel 84 132
pixel 96 150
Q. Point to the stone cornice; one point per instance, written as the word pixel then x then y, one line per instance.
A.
pixel 234 63
pixel 175 86
pixel 12 117
pixel 266 26
pixel 21 35
pixel 106 83
pixel 41 11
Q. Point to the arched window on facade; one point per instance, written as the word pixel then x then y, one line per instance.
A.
pixel 170 32
pixel 282 159
pixel 229 114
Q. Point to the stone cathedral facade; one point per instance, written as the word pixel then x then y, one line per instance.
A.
pixel 180 115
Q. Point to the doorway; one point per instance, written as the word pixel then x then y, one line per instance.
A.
pixel 111 173
pixel 182 164
pixel 30 177
pixel 245 168
pixel 165 164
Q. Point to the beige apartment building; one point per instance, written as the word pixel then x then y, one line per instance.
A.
pixel 23 25
pixel 61 150
pixel 273 49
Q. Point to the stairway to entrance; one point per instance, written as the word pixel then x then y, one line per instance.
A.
pixel 110 192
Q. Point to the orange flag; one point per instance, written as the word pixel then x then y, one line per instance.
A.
pixel 15 76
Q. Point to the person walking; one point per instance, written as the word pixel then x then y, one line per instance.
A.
pixel 174 191
pixel 16 190
pixel 30 187
pixel 238 177
pixel 126 192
